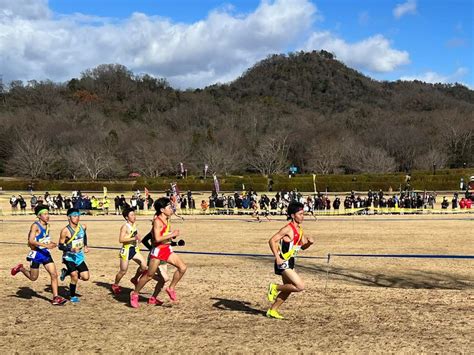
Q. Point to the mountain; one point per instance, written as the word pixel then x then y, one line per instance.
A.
pixel 303 108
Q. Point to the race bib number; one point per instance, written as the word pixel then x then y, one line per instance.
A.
pixel 284 266
pixel 123 253
pixel 77 244
pixel 31 255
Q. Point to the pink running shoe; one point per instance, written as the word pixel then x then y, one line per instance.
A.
pixel 16 269
pixel 58 301
pixel 172 294
pixel 116 289
pixel 155 301
pixel 133 299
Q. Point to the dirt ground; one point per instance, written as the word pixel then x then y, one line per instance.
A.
pixel 363 304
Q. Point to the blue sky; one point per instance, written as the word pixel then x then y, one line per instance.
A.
pixel 198 43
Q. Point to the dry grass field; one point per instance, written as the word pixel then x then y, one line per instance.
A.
pixel 365 304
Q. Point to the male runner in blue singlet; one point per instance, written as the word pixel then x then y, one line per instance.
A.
pixel 40 243
pixel 73 243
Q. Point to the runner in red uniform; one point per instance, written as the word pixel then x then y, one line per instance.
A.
pixel 162 251
pixel 285 245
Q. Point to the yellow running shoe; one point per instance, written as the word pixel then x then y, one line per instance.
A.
pixel 273 313
pixel 272 292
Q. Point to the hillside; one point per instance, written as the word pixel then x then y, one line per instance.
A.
pixel 303 108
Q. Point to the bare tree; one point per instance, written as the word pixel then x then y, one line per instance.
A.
pixel 223 159
pixel 93 161
pixel 371 160
pixel 150 159
pixel 270 156
pixel 429 159
pixel 325 157
pixel 32 157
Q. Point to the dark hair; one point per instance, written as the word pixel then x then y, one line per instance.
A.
pixel 40 207
pixel 126 211
pixel 160 203
pixel 71 211
pixel 294 207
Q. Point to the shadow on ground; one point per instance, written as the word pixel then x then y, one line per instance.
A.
pixel 412 280
pixel 236 306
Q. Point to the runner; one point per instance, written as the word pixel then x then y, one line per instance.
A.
pixel 73 243
pixel 39 242
pixel 161 251
pixel 130 239
pixel 161 276
pixel 285 245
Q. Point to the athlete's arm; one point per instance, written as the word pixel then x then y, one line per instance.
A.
pixel 32 242
pixel 273 242
pixel 157 229
pixel 62 239
pixel 124 235
pixel 307 242
pixel 146 241
pixel 86 248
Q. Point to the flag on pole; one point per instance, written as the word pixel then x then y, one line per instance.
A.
pixel 105 191
pixel 216 184
pixel 175 191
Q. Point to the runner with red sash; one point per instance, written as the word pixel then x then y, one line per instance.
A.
pixel 285 245
pixel 161 252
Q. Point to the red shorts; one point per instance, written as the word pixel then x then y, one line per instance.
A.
pixel 161 252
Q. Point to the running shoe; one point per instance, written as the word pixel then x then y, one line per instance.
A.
pixel 172 294
pixel 273 313
pixel 155 301
pixel 272 293
pixel 133 299
pixel 74 299
pixel 16 269
pixel 116 289
pixel 63 275
pixel 58 301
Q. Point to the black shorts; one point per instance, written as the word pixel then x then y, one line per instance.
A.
pixel 71 267
pixel 290 264
pixel 36 265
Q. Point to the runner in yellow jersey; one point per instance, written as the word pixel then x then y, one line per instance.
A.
pixel 130 239
pixel 285 245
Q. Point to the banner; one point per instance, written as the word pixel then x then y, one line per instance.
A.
pixel 175 191
pixel 314 183
pixel 105 191
pixel 216 184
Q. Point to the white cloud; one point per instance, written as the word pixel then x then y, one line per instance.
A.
pixel 374 54
pixel 34 44
pixel 27 9
pixel 407 8
pixel 434 78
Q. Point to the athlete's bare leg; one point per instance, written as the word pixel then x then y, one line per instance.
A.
pixel 31 274
pixel 181 268
pixel 292 282
pixel 51 269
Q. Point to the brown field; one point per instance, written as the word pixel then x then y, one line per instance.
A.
pixel 367 304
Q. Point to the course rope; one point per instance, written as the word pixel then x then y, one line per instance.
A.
pixel 328 257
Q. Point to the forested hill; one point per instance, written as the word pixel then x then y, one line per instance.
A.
pixel 317 81
pixel 305 108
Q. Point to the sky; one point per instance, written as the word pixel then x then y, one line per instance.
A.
pixel 196 43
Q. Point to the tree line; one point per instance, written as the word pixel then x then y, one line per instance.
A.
pixel 306 109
